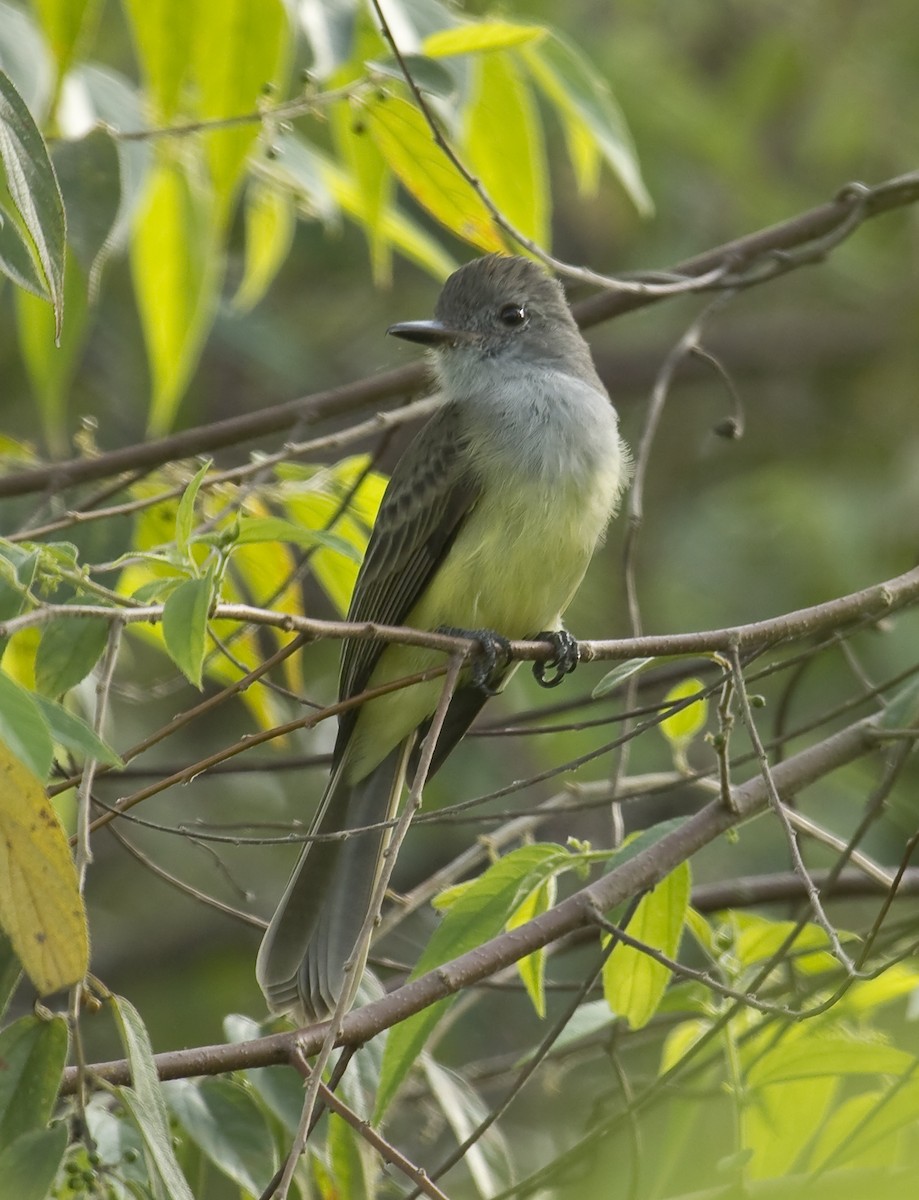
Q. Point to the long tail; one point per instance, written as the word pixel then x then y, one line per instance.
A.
pixel 314 932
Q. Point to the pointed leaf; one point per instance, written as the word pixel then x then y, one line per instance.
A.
pixel 503 145
pixel 422 168
pixel 69 649
pixel 619 674
pixel 487 1160
pixel 90 177
pixel 145 1100
pixel 41 909
pixel 241 50
pixel 33 1053
pixel 63 22
pixel 474 38
pixel 633 982
pixel 583 98
pixel 72 732
pixel 372 178
pixel 34 191
pixel 29 1164
pixel 174 264
pixel 185 513
pixel 164 33
pixel 533 968
pixel 185 626
pixel 23 728
pixel 270 224
pixel 229 1126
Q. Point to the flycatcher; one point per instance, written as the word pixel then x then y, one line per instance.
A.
pixel 488 524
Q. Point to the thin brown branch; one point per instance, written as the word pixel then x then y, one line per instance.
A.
pixel 643 871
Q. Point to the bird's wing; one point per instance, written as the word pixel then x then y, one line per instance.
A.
pixel 429 496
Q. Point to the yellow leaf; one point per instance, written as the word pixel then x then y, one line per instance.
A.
pixel 407 144
pixel 682 726
pixel 477 37
pixel 41 909
pixel 270 222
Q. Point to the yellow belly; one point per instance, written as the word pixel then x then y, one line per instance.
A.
pixel 513 568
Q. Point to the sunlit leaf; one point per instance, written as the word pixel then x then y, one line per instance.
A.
pixel 633 982
pixel 806 1057
pixel 174 264
pixel 533 968
pixel 164 34
pixel 33 189
pixel 503 145
pixel 682 726
pixel 241 50
pixel 779 1122
pixel 41 909
pixel 270 222
pixel 480 36
pixel 479 914
pixel 859 1131
pixel 373 180
pixel 63 21
pixel 408 145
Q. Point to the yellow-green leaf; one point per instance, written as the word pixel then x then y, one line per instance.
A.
pixel 185 626
pixel 242 47
pixel 422 168
pixel 164 34
pixel 479 36
pixel 533 968
pixel 503 145
pixel 41 909
pixel 682 726
pixel 51 367
pixel 62 22
pixel 373 180
pixel 174 261
pixel 270 222
pixel 633 982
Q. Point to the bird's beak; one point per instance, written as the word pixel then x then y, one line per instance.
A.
pixel 430 333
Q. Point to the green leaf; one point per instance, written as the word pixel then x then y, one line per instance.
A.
pixel 373 180
pixel 407 144
pixel 164 35
pixel 780 1122
pixel 280 1089
pixel 533 968
pixel 480 36
pixel 586 104
pixel 29 1164
pixel 503 145
pixel 73 733
pixel 33 1053
pixel 145 1100
pixel 34 191
pixel 270 223
pixel 427 74
pixel 276 529
pixel 185 626
pixel 681 727
pixel 480 913
pixel 859 1130
pixel 633 982
pixel 63 21
pixel 902 710
pixel 69 649
pixel 174 262
pixel 185 512
pixel 816 1054
pixel 23 728
pixel 90 177
pixel 16 260
pixel 619 674
pixel 487 1160
pixel 41 909
pixel 223 1119
pixel 241 49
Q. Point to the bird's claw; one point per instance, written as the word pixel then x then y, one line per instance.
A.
pixel 494 654
pixel 566 657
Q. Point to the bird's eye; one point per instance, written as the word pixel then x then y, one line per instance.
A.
pixel 513 315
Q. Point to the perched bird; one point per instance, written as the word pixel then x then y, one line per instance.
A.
pixel 488 524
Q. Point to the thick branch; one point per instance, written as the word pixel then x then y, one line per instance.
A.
pixel 798 231
pixel 577 912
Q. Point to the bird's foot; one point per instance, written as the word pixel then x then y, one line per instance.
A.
pixel 494 655
pixel 564 660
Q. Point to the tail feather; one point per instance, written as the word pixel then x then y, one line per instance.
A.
pixel 314 932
